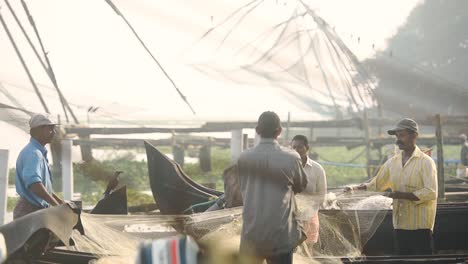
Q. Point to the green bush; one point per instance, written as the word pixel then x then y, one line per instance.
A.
pixel 11 203
pixel 11 176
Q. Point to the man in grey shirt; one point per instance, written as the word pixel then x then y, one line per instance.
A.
pixel 270 176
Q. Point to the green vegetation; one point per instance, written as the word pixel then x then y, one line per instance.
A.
pixel 11 176
pixel 91 178
pixel 220 160
pixel 338 176
pixel 11 202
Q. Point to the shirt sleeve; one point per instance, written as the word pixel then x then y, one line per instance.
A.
pixel 32 169
pixel 299 177
pixel 429 178
pixel 381 181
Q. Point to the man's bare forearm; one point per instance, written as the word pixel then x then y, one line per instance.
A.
pixel 39 190
pixel 403 196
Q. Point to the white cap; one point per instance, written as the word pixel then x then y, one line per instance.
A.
pixel 40 120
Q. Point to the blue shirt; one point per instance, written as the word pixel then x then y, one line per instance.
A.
pixel 32 166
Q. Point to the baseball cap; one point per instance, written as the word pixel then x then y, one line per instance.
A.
pixel 38 120
pixel 405 123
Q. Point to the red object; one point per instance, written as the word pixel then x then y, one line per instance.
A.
pixel 174 255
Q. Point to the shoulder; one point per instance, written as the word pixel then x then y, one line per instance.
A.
pixel 287 152
pixel 427 160
pixel 247 154
pixel 393 159
pixel 315 164
pixel 30 153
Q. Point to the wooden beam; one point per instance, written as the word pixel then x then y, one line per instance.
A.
pixel 138 143
pixel 206 128
pixel 228 126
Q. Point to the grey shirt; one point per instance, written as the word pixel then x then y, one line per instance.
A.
pixel 269 176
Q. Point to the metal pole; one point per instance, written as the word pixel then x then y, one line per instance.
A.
pixel 3 184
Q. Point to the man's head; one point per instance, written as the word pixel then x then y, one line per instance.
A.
pixel 269 125
pixel 300 144
pixel 42 128
pixel 406 132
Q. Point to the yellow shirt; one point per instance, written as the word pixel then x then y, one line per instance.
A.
pixel 418 176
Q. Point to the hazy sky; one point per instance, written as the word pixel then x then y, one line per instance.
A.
pixel 98 61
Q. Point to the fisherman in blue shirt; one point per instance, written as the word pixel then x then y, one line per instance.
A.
pixel 33 176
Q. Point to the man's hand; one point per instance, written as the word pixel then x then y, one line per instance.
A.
pixel 403 196
pixel 60 201
pixel 349 189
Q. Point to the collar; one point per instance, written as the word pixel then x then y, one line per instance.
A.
pixel 308 162
pixel 416 153
pixel 38 145
pixel 268 141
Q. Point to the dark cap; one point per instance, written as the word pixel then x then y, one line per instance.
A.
pixel 405 123
pixel 269 121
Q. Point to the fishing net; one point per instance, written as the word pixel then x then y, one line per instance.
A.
pixel 347 222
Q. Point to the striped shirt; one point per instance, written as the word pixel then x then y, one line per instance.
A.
pixel 418 176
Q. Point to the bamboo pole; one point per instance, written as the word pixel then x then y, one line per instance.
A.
pixel 23 63
pixel 366 128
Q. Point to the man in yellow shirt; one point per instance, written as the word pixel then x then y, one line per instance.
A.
pixel 412 177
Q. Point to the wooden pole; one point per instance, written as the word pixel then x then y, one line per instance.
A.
pixel 366 128
pixel 440 158
pixel 178 152
pixel 25 67
pixel 245 142
pixel 86 150
pixel 48 70
pixel 286 138
pixel 380 129
pixel 204 157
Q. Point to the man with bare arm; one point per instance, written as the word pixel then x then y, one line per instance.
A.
pixel 33 176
